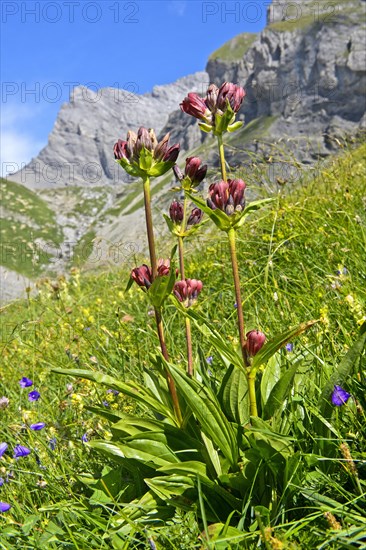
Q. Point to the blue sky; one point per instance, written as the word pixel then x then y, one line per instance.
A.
pixel 47 47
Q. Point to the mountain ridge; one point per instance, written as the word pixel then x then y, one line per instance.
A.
pixel 305 80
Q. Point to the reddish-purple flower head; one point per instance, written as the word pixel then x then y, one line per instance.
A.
pixel 143 275
pixel 196 106
pixel 218 109
pixel 176 212
pixel 142 155
pixel 187 291
pixel 232 94
pixel 227 196
pixel 194 172
pixel 195 216
pixel 254 342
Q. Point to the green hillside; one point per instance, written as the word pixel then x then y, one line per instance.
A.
pixel 28 228
pixel 301 258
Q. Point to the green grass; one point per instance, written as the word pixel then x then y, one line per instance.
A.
pixel 234 49
pixel 25 218
pixel 300 259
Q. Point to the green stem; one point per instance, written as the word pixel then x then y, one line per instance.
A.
pixel 149 227
pixel 164 351
pixel 158 317
pixel 252 397
pixel 182 276
pixel 234 265
pixel 189 347
pixel 241 326
pixel 181 257
pixel 222 157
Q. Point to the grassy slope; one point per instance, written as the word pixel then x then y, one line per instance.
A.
pixel 234 49
pixel 289 258
pixel 27 217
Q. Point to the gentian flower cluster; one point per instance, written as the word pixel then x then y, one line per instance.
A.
pixel 143 275
pixel 218 109
pixel 227 196
pixel 176 214
pixel 141 154
pixel 187 291
pixel 194 173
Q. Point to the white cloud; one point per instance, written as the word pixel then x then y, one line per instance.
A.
pixel 17 144
pixel 178 7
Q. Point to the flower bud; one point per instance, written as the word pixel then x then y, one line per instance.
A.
pixel 211 96
pixel 195 216
pixel 195 106
pixel 254 342
pixel 142 276
pixel 236 190
pixel 178 172
pixel 187 291
pixel 176 212
pixel 195 170
pixel 172 153
pixel 163 267
pixel 231 93
pixel 227 196
pixel 142 155
pixel 218 195
pixel 120 149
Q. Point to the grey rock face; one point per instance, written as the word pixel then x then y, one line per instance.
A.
pixel 80 146
pixel 308 71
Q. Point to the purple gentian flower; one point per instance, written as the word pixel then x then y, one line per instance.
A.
pixel 84 438
pixel 52 443
pixel 37 426
pixel 289 347
pixel 4 506
pixel 34 395
pixel 209 360
pixel 2 481
pixel 20 450
pixel 25 382
pixel 115 392
pixel 3 447
pixel 340 396
pixel 105 403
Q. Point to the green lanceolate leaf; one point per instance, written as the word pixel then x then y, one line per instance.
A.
pixel 270 376
pixel 236 126
pixel 280 392
pixel 233 395
pixel 205 407
pixel 161 288
pixel 149 451
pixel 136 391
pixel 273 345
pixel 178 441
pixel 177 490
pixel 222 220
pixel 192 468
